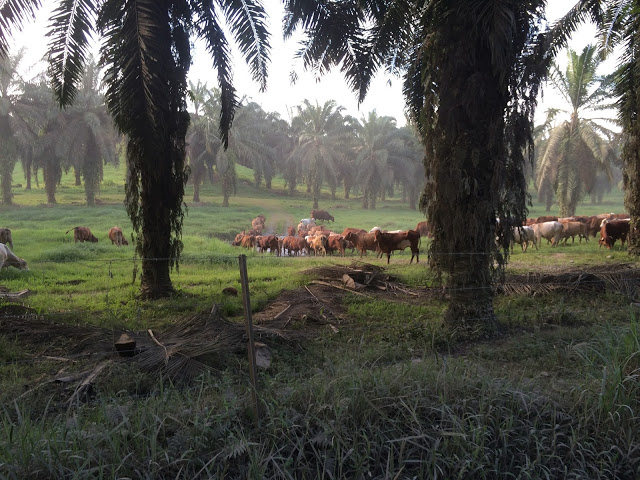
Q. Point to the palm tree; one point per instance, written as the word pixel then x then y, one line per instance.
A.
pixel 202 141
pixel 321 144
pixel 405 160
pixel 19 116
pixel 471 70
pixel 574 151
pixel 146 50
pixel 87 139
pixel 374 139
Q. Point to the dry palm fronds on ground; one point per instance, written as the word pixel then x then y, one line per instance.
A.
pixel 203 342
pixel 621 281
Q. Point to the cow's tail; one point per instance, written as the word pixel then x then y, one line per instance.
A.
pixel 74 228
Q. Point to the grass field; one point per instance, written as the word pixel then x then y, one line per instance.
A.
pixel 359 386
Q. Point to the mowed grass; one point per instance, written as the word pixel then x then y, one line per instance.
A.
pixel 390 393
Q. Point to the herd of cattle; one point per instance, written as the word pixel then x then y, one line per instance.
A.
pixel 611 226
pixel 310 238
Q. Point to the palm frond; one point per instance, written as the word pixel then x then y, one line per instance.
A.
pixel 12 15
pixel 246 19
pixel 219 49
pixel 70 30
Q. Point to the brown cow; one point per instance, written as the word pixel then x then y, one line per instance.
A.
pixel 238 240
pixel 336 242
pixel 117 237
pixel 571 229
pixel 82 234
pixel 248 242
pixel 424 229
pixel 612 231
pixel 291 231
pixel 388 242
pixel 546 218
pixel 5 237
pixel 362 241
pixel 268 242
pixel 322 215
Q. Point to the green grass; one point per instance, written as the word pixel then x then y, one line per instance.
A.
pixel 390 394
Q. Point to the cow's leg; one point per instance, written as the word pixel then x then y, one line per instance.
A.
pixel 388 256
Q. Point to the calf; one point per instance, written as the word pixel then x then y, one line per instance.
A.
pixel 83 234
pixel 10 259
pixel 612 231
pixel 388 242
pixel 318 243
pixel 117 237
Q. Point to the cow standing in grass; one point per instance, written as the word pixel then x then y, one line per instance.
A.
pixel 83 234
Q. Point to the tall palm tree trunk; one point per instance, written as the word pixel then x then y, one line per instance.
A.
pixel 462 194
pixel 156 230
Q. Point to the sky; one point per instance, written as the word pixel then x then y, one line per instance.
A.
pixel 385 94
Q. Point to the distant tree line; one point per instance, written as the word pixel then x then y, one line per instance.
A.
pixel 320 148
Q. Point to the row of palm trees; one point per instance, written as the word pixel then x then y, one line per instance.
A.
pixel 321 147
pixel 44 138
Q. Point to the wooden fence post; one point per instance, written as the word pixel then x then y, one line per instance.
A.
pixel 244 281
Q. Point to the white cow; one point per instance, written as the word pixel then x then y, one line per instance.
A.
pixel 10 259
pixel 552 231
pixel 524 235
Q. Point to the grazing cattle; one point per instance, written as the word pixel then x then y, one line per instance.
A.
pixel 552 231
pixel 117 237
pixel 248 242
pixel 268 242
pixel 571 229
pixel 10 259
pixel 424 229
pixel 546 218
pixel 593 226
pixel 5 237
pixel 336 242
pixel 322 215
pixel 388 242
pixel 83 234
pixel 238 240
pixel 292 245
pixel 362 241
pixel 524 235
pixel 612 231
pixel 318 244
